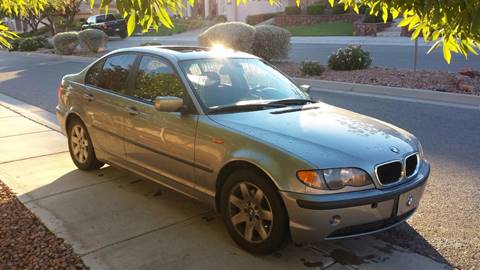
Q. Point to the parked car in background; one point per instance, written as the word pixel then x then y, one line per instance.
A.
pixel 229 129
pixel 112 24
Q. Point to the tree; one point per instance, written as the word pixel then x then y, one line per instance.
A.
pixel 34 19
pixel 451 23
pixel 67 9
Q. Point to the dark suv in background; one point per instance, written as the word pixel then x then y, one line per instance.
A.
pixel 111 24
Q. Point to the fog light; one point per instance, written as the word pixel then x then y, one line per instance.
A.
pixel 335 220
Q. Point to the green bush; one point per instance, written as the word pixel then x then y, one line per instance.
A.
pixel 219 19
pixel 293 10
pixel 235 35
pixel 14 43
pixel 339 9
pixel 271 42
pixel 370 18
pixel 316 9
pixel 28 45
pixel 93 40
pixel 66 42
pixel 311 68
pixel 349 58
pixel 42 42
pixel 258 18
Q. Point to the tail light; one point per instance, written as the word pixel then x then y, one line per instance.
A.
pixel 60 90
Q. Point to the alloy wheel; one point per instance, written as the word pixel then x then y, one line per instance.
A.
pixel 250 212
pixel 79 143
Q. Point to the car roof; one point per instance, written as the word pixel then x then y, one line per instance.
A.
pixel 179 53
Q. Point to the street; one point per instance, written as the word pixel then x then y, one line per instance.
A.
pixel 446 226
pixel 390 53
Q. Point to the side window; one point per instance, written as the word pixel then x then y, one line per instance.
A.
pixel 110 17
pixel 156 78
pixel 93 74
pixel 115 71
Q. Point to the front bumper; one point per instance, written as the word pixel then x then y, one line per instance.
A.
pixel 333 216
pixel 60 112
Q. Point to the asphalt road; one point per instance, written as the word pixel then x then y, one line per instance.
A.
pixel 446 225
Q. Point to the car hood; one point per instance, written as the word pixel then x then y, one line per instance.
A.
pixel 323 135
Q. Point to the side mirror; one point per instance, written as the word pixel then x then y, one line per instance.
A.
pixel 168 104
pixel 306 88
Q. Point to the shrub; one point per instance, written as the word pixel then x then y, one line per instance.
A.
pixel 14 44
pixel 316 9
pixel 339 9
pixel 369 18
pixel 271 42
pixel 293 10
pixel 65 43
pixel 42 42
pixel 349 58
pixel 258 18
pixel 220 19
pixel 93 40
pixel 235 35
pixel 311 68
pixel 27 45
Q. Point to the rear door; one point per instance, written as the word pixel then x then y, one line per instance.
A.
pixel 108 84
pixel 162 142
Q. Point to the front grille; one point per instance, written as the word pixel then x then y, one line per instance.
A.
pixel 411 164
pixel 389 173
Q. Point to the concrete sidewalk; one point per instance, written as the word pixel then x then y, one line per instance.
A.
pixel 116 220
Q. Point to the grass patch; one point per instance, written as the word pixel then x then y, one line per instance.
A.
pixel 322 29
pixel 163 31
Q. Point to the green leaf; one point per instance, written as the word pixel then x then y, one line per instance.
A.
pixel 447 55
pixel 131 24
pixel 332 2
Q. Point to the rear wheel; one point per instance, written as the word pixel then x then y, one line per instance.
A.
pixel 81 147
pixel 123 34
pixel 253 212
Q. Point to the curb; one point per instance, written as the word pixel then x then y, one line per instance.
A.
pixel 393 92
pixel 31 112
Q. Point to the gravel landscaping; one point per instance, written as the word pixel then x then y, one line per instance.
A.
pixel 25 242
pixel 465 82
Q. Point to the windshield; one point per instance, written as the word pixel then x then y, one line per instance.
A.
pixel 232 81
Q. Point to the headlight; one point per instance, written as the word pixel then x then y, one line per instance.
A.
pixel 334 178
pixel 339 178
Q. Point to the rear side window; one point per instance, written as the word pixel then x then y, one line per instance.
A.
pixel 155 78
pixel 113 74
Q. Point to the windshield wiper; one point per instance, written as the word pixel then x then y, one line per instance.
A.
pixel 245 107
pixel 292 101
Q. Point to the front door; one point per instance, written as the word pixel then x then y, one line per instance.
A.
pixel 162 142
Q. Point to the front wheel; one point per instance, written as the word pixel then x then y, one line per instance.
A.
pixel 253 212
pixel 81 147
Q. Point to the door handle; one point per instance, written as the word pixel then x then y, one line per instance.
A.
pixel 132 110
pixel 89 97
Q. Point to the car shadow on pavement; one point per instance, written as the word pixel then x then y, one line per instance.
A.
pixel 117 220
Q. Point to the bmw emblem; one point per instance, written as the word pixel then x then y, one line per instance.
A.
pixel 410 200
pixel 394 150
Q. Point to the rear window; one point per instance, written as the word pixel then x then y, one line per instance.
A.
pixel 113 73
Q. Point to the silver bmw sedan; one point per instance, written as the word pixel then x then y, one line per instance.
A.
pixel 229 129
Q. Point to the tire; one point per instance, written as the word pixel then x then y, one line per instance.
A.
pixel 256 230
pixel 81 148
pixel 123 34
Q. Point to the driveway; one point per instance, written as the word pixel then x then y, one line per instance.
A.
pixel 116 220
pixel 445 227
